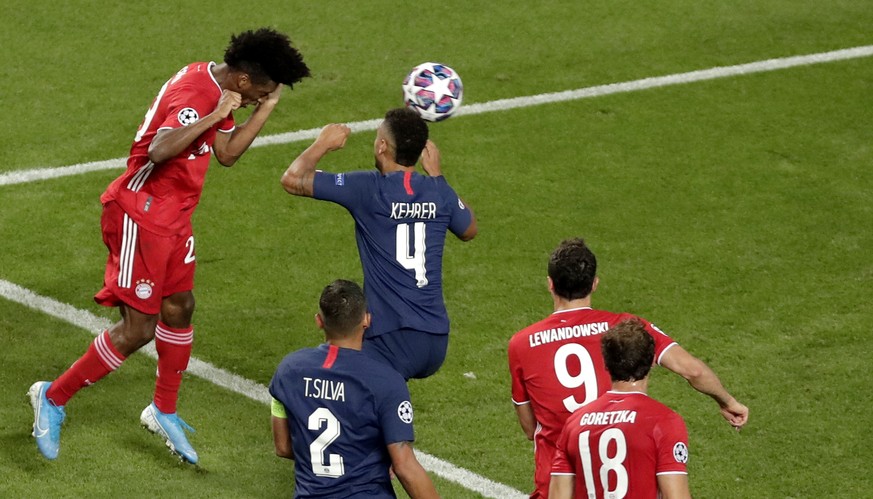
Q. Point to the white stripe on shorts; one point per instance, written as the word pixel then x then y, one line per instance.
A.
pixel 128 250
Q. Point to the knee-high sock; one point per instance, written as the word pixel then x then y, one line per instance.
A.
pixel 174 351
pixel 101 359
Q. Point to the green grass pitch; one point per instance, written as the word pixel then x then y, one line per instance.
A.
pixel 734 213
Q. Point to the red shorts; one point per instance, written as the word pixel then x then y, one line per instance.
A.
pixel 544 454
pixel 143 267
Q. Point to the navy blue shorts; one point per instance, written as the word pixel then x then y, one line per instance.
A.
pixel 414 354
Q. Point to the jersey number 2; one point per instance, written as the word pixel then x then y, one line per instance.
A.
pixel 190 245
pixel 330 465
pixel 414 259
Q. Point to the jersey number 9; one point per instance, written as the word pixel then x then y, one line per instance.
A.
pixel 586 376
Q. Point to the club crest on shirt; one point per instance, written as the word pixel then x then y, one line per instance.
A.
pixel 143 289
pixel 680 452
pixel 187 116
pixel 404 411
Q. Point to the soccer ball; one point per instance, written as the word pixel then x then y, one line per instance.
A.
pixel 433 90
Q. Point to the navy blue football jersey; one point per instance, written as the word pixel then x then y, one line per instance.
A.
pixel 401 220
pixel 343 410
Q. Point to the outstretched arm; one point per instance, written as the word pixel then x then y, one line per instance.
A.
pixel 430 161
pixel 230 147
pixel 412 476
pixel 704 380
pixel 169 143
pixel 299 178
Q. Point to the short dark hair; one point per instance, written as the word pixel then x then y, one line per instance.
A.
pixel 572 267
pixel 409 132
pixel 266 55
pixel 342 307
pixel 628 351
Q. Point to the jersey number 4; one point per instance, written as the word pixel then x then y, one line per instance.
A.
pixel 329 465
pixel 412 258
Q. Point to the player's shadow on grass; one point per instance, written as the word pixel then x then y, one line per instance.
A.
pixel 18 449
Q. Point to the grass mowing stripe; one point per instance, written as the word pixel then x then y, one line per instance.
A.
pixel 237 384
pixel 33 175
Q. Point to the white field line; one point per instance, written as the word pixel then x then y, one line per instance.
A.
pixel 23 176
pixel 237 384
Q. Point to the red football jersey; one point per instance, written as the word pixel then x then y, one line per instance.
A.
pixel 618 444
pixel 557 367
pixel 161 198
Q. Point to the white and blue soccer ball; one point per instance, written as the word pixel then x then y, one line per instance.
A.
pixel 433 90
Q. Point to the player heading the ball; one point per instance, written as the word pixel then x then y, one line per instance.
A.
pixel 147 228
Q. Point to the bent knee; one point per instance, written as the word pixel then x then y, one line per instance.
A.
pixel 178 309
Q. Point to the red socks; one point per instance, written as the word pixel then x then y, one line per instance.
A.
pixel 174 351
pixel 101 359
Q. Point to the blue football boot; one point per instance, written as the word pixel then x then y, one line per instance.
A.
pixel 47 420
pixel 172 429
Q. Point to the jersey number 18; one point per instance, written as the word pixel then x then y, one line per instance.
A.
pixel 613 464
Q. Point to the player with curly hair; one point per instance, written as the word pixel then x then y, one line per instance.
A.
pixel 146 225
